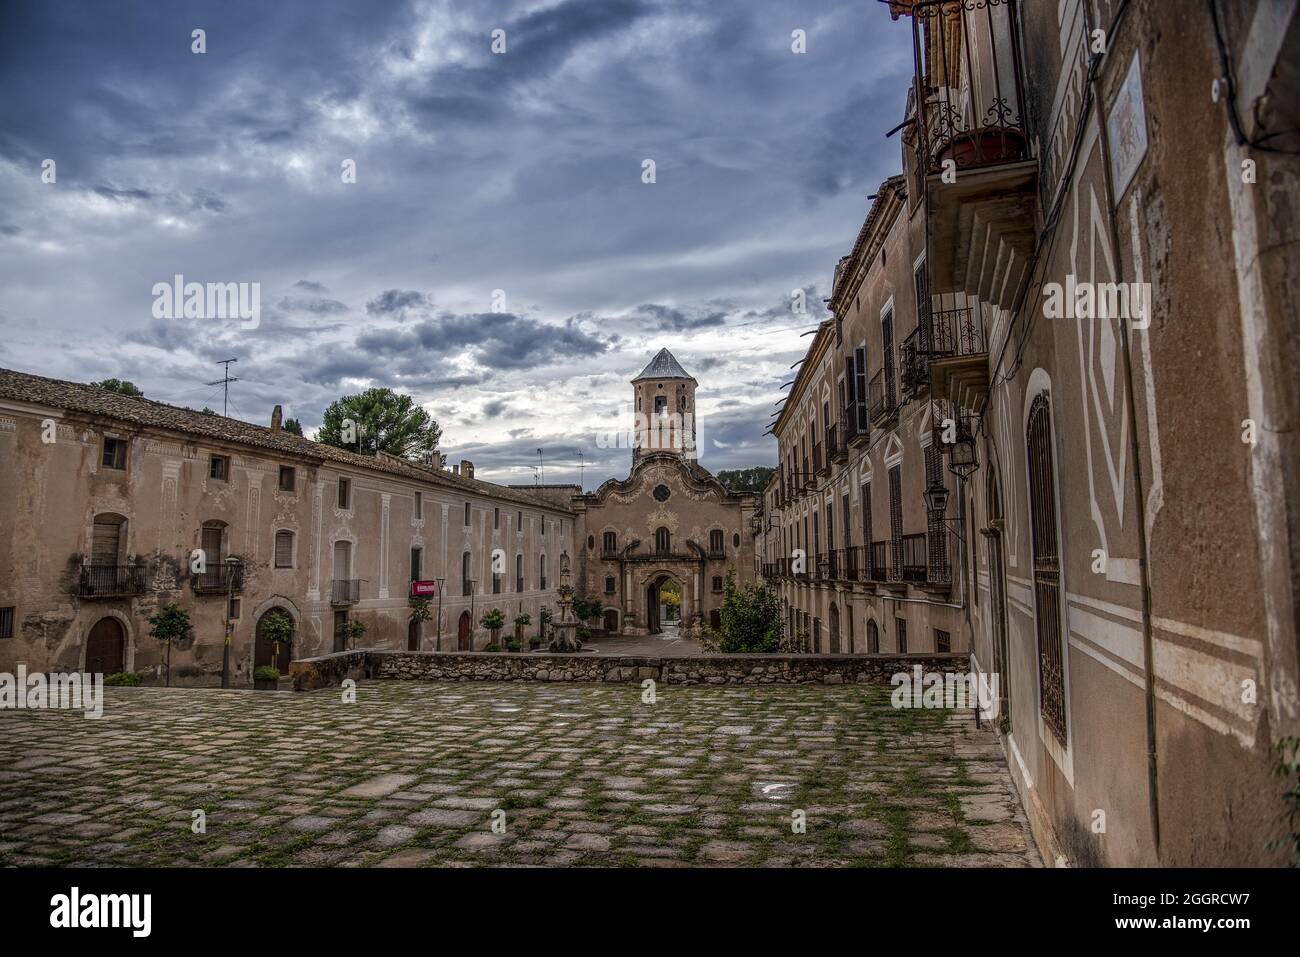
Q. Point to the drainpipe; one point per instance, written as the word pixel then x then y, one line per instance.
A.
pixel 1144 587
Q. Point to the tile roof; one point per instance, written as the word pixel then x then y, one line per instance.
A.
pixel 664 366
pixel 92 400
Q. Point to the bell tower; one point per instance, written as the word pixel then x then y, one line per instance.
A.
pixel 664 406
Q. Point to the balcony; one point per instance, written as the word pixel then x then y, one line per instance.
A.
pixel 821 466
pixel 836 450
pixel 345 591
pixel 915 558
pixel 878 562
pixel 915 369
pixel 609 554
pixel 881 400
pixel 971 124
pixel 856 427
pixel 220 579
pixel 110 581
pixel 959 358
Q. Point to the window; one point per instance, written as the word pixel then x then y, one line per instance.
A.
pixel 591 542
pixel 942 641
pixel 496 583
pixel 735 540
pixel 609 584
pixel 717 583
pixel 106 540
pixel 715 541
pixel 219 468
pixel 1047 566
pixel 866 513
pixel 661 404
pixel 609 543
pixel 419 506
pixel 543 520
pixel 901 625
pixel 887 335
pixel 663 541
pixel 519 573
pixel 417 554
pixel 114 453
pixel 467 514
pixel 345 493
pixel 7 622
pixel 284 549
pixel 235 608
pixel 519 521
pixel 496 518
pixel 288 476
pixel 541 572
pixel 467 586
pixel 873 638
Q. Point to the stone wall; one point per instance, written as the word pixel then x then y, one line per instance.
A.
pixel 329 670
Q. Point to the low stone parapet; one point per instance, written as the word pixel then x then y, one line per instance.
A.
pixel 331 670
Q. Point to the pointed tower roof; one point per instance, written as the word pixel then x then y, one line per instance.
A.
pixel 664 366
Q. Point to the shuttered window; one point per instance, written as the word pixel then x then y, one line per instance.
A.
pixel 284 549
pixel 105 545
pixel 896 519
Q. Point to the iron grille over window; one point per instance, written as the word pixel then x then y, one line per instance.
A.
pixel 1047 566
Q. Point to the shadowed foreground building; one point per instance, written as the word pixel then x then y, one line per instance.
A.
pixel 1099 500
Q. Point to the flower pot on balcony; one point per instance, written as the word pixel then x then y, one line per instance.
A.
pixel 988 146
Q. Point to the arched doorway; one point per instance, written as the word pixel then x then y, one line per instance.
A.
pixel 657 610
pixel 611 621
pixel 264 652
pixel 106 647
pixel 835 629
pixel 463 640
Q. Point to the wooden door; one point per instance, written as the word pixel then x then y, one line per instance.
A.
pixel 413 636
pixel 106 648
pixel 463 640
pixel 264 652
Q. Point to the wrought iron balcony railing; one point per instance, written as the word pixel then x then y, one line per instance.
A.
pixel 956 332
pixel 880 398
pixel 915 369
pixel 819 466
pixel 219 579
pixel 111 581
pixel 969 70
pixel 345 591
pixel 836 450
pixel 915 558
pixel 878 560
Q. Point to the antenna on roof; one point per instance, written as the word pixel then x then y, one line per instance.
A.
pixel 541 469
pixel 582 467
pixel 225 401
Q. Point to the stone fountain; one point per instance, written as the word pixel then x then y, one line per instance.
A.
pixel 565 627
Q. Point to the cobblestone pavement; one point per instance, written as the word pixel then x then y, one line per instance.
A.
pixel 586 774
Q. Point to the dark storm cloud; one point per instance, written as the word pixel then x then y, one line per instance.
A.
pixel 476 171
pixel 395 302
pixel 495 340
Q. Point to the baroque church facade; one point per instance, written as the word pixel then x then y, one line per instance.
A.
pixel 669 520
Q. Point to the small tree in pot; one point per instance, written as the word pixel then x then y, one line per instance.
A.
pixel 353 631
pixel 493 621
pixel 522 621
pixel 277 628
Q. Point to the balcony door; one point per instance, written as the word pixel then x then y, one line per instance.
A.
pixel 106 541
pixel 342 561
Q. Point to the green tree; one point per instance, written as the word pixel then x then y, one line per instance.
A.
pixel 293 426
pixel 278 630
pixel 585 609
pixel 121 387
pixel 382 421
pixel 750 619
pixel 745 480
pixel 170 624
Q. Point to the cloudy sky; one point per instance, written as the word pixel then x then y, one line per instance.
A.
pixel 476 172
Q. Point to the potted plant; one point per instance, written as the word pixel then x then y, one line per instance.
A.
pixel 266 678
pixel 513 645
pixel 169 625
pixel 522 621
pixel 277 628
pixel 352 632
pixel 420 611
pixel 493 621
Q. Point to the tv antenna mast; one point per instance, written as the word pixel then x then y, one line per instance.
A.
pixel 225 382
pixel 581 472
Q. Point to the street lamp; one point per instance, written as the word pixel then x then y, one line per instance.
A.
pixel 232 571
pixel 936 498
pixel 963 460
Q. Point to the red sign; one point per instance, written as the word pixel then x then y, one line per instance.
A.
pixel 424 589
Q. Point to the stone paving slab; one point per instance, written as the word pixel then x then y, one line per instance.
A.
pixel 429 775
